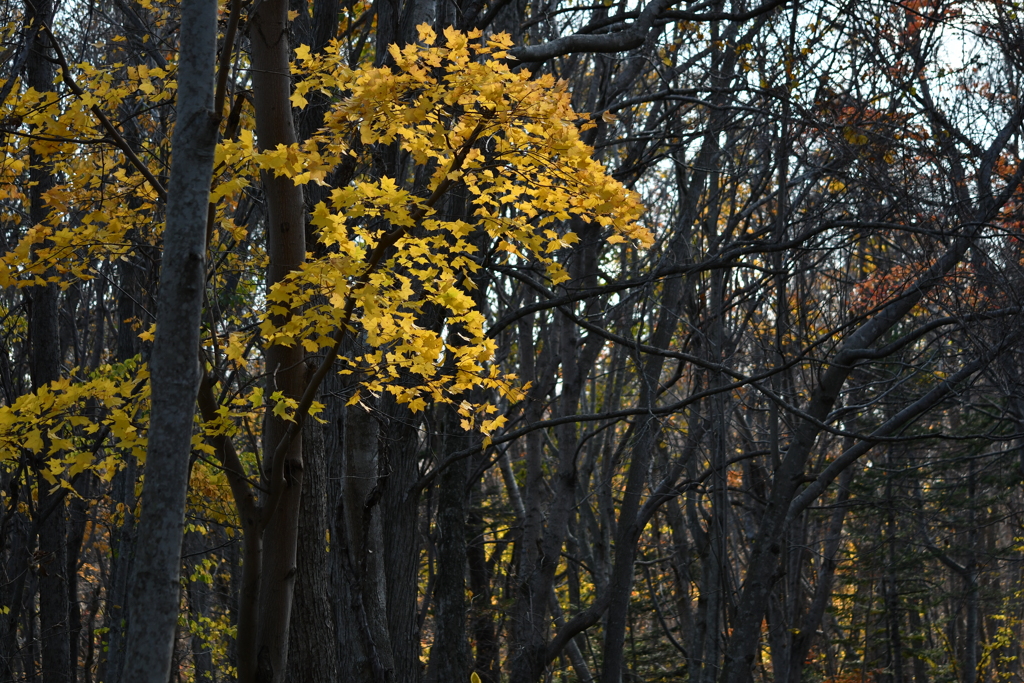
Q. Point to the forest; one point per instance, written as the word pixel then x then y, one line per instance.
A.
pixel 511 341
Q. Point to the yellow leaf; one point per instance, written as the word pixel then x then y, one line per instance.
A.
pixel 82 460
pixel 51 473
pixel 235 350
pixel 281 410
pixel 34 441
pixel 427 35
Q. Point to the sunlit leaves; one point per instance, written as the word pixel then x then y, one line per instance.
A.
pixel 97 197
pixel 508 143
pixel 82 423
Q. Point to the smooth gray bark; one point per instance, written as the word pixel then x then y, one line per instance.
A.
pixel 282 457
pixel 174 367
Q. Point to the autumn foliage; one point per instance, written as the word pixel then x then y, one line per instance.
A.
pixel 606 342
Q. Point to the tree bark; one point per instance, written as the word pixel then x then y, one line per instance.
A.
pixel 482 614
pixel 805 637
pixel 122 535
pixel 311 653
pixel 449 654
pixel 368 655
pixel 45 362
pixel 282 457
pixel 174 366
pixel 399 511
pixel 767 546
pixel 532 608
pixel 78 519
pixel 198 598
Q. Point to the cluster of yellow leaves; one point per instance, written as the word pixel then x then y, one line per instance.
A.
pixel 506 142
pixel 80 424
pixel 499 154
pixel 97 197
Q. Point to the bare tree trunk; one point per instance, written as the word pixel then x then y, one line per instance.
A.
pixel 767 546
pixel 174 366
pixel 449 655
pixel 972 640
pixel 282 458
pixel 890 582
pixel 399 508
pixel 532 608
pixel 920 664
pixel 360 534
pixel 45 361
pixel 53 581
pixel 311 654
pixel 485 640
pixel 804 639
pixel 198 598
pixel 16 576
pixel 671 309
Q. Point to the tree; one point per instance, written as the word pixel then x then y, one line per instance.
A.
pixel 462 399
pixel 174 375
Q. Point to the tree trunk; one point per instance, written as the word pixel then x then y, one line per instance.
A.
pixel 44 367
pixel 130 291
pixel 766 549
pixel 45 361
pixel 16 576
pixel 311 653
pixel 368 655
pixel 399 513
pixel 532 607
pixel 620 586
pixel 282 457
pixel 122 544
pixel 804 639
pixel 198 599
pixel 449 654
pixel 485 640
pixel 174 366
pixel 78 509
